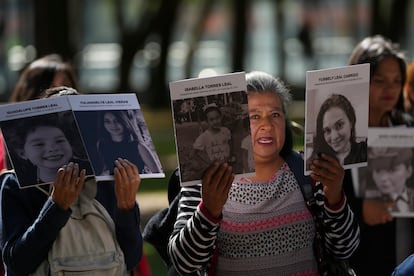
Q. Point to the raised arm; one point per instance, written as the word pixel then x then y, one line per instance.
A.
pixel 191 246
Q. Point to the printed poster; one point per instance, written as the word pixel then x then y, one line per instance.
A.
pixel 211 124
pixel 336 115
pixel 389 174
pixel 112 126
pixel 40 137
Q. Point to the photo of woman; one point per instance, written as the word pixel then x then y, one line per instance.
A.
pixel 336 132
pixel 336 115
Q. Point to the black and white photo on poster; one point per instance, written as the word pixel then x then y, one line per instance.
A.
pixel 112 126
pixel 41 136
pixel 389 174
pixel 336 115
pixel 211 124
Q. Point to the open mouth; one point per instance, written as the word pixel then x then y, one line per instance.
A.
pixel 265 140
pixel 53 157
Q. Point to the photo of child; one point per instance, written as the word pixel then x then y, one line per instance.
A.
pixel 214 143
pixel 38 146
pixel 210 129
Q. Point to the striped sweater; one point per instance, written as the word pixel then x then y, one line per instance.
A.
pixel 266 229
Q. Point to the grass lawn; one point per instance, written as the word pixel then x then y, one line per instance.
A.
pixel 158 268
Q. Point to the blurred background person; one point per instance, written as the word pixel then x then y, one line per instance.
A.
pixel 409 89
pixel 381 248
pixel 43 73
pixel 388 76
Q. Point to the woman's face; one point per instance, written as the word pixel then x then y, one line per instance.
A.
pixel 47 147
pixel 392 180
pixel 385 86
pixel 112 125
pixel 267 123
pixel 337 129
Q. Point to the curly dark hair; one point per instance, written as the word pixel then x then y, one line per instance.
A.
pixel 17 130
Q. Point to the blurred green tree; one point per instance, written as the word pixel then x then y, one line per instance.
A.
pixel 157 20
pixel 141 22
pixel 52 29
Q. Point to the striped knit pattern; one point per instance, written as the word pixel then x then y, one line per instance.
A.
pixel 343 238
pixel 266 230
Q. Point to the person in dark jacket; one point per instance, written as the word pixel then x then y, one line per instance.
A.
pixel 31 218
pixel 380 248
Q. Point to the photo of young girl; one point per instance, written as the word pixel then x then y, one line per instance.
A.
pixel 38 146
pixel 119 135
pixel 113 134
